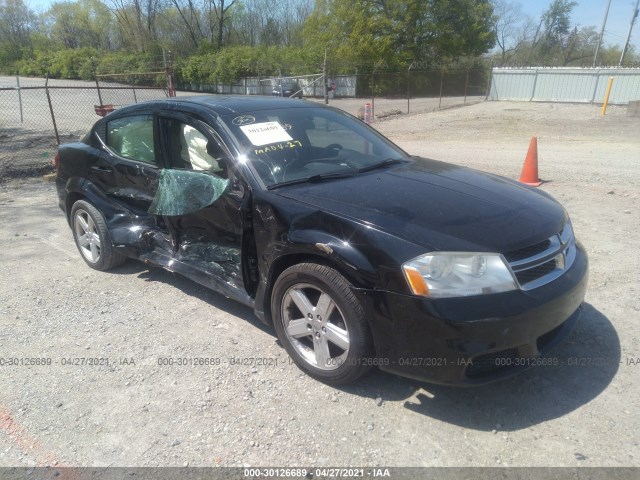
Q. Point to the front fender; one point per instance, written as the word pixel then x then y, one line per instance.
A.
pixel 350 260
pixel 313 246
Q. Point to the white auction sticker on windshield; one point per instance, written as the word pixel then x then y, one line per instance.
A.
pixel 265 133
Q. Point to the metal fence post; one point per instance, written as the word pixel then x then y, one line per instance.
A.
pixel 535 84
pixel 441 82
pixel 169 69
pixel 53 117
pixel 490 79
pixel 98 88
pixel 595 87
pixel 373 95
pixel 325 94
pixel 466 85
pixel 409 86
pixel 19 97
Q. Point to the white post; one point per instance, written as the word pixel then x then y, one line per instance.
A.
pixel 19 97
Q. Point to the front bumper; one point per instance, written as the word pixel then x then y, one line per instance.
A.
pixel 474 340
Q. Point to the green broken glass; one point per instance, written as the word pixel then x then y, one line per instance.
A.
pixel 181 192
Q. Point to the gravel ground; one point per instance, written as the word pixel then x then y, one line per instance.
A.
pixel 251 406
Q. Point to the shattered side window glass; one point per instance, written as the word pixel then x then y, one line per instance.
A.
pixel 181 192
pixel 132 137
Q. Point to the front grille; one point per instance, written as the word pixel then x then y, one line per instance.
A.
pixel 527 252
pixel 531 274
pixel 543 262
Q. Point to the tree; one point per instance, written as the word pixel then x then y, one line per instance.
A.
pixel 137 21
pixel 16 25
pixel 221 9
pixel 512 28
pixel 398 32
pixel 190 16
pixel 555 34
pixel 84 23
pixel 270 22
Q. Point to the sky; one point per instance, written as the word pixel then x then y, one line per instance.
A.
pixel 591 12
pixel 586 13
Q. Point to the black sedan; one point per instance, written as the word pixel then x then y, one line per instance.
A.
pixel 359 254
pixel 290 89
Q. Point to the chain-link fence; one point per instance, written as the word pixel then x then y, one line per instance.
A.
pixel 36 115
pixel 415 82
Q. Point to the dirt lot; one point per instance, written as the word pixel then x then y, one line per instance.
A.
pixel 135 412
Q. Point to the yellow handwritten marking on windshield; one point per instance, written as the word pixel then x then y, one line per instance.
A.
pixel 279 146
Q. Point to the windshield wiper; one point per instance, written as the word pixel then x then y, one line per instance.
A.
pixel 383 164
pixel 313 179
pixel 331 176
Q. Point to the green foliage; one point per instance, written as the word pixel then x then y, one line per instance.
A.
pixel 232 63
pixel 36 66
pixel 17 23
pixel 76 38
pixel 72 63
pixel 395 33
pixel 82 23
pixel 84 63
pixel 68 63
pixel 125 62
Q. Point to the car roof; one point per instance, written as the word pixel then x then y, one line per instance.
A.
pixel 225 105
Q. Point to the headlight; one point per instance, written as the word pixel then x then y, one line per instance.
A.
pixel 452 274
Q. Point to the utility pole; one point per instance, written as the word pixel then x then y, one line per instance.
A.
pixel 633 20
pixel 604 24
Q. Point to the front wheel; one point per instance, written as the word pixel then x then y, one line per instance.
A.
pixel 321 323
pixel 92 237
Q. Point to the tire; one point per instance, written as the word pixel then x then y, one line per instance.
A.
pixel 321 323
pixel 92 237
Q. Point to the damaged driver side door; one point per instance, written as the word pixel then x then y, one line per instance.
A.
pixel 203 200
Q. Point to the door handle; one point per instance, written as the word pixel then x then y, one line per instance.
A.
pixel 102 169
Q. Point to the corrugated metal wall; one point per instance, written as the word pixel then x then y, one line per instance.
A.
pixel 586 85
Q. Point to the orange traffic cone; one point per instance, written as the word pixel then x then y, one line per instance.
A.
pixel 529 173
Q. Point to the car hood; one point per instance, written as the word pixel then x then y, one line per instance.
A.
pixel 439 206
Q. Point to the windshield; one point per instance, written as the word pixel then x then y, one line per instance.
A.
pixel 294 144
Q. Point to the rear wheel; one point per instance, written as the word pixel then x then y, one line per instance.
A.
pixel 321 323
pixel 92 237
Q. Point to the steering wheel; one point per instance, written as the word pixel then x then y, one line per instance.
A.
pixel 334 147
